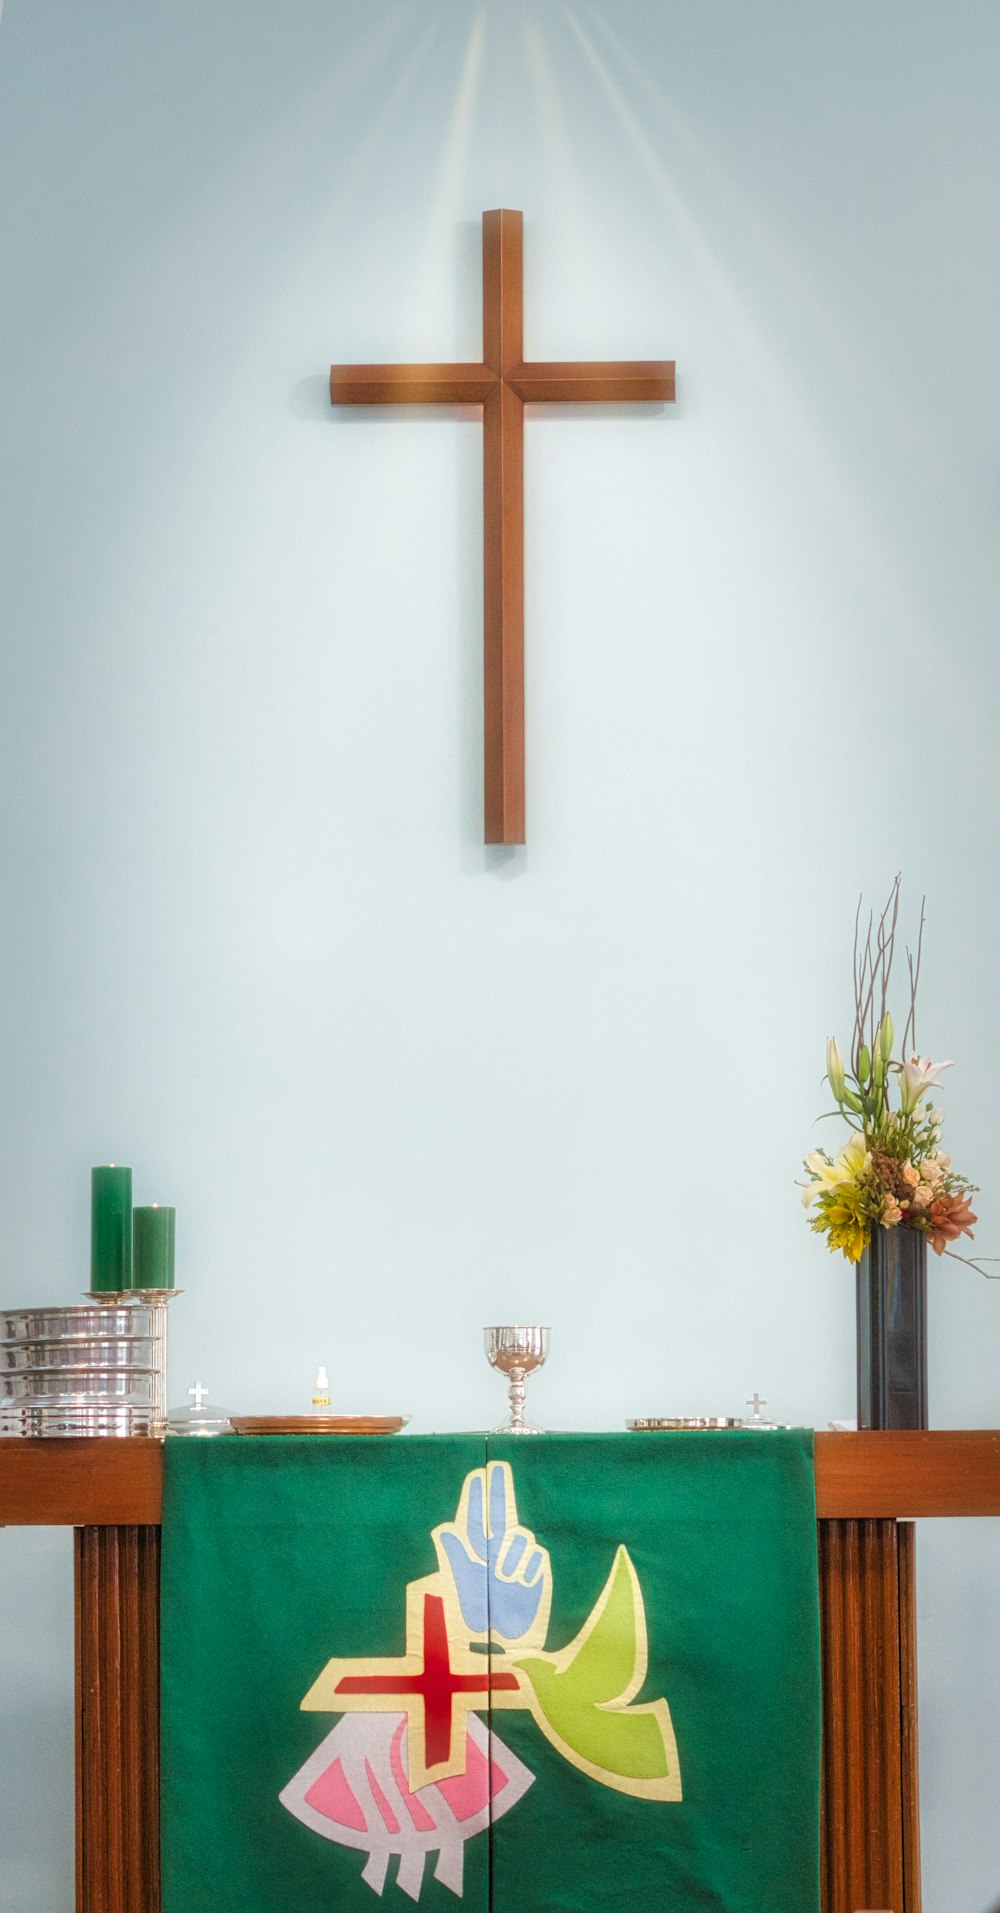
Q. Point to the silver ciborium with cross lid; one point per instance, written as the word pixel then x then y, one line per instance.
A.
pixel 516 1351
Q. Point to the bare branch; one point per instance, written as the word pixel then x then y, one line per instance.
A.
pixel 872 966
pixel 910 1032
pixel 869 971
pixel 855 1044
pixel 889 941
pixel 974 1262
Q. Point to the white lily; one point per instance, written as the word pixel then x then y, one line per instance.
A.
pixel 916 1077
pixel 829 1175
pixel 835 1069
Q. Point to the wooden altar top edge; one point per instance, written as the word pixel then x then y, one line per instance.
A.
pixel 119 1483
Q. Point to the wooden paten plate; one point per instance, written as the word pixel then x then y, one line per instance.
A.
pixel 318 1424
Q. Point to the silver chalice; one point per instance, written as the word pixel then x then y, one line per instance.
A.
pixel 516 1352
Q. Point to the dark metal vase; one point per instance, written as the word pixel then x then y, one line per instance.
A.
pixel 892 1330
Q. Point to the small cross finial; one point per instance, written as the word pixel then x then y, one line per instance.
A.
pixel 757 1403
pixel 200 1394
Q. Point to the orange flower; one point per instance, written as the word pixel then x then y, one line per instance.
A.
pixel 949 1217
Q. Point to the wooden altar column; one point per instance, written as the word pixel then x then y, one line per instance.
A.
pixel 117 1578
pixel 870 1838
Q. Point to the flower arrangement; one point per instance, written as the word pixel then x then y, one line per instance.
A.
pixel 892 1172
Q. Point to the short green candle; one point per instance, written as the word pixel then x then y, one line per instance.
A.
pixel 110 1228
pixel 153 1247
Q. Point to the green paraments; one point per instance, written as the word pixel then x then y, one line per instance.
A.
pixel 656 1596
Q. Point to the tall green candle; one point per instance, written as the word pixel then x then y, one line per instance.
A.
pixel 110 1228
pixel 153 1247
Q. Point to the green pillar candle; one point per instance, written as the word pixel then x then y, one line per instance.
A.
pixel 153 1247
pixel 110 1228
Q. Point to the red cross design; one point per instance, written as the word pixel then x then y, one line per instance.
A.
pixel 436 1685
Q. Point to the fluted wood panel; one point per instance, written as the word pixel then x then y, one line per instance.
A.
pixel 118 1719
pixel 870 1846
pixel 906 1542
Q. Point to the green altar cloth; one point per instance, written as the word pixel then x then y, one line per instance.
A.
pixel 556 1675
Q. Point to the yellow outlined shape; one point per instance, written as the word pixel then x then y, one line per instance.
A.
pixel 580 1696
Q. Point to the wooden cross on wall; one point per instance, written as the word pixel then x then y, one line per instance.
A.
pixel 502 384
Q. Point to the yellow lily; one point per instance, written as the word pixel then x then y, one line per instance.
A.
pixel 828 1175
pixel 843 1223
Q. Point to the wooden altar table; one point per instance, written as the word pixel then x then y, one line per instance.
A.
pixel 869 1490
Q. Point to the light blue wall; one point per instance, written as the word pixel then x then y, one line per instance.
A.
pixel 396 1084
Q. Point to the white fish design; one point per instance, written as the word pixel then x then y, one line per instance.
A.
pixel 354 1790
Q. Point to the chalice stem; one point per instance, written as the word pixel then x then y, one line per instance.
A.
pixel 515 1395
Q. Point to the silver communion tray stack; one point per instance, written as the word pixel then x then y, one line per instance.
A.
pixel 84 1370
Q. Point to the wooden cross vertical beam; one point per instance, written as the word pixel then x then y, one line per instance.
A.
pixel 503 383
pixel 503 533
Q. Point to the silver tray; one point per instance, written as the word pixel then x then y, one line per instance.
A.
pixel 87 1386
pixel 135 1353
pixel 33 1423
pixel 98 1323
pixel 641 1424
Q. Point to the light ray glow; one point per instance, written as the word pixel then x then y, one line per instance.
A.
pixel 798 415
pixel 550 115
pixel 447 196
pixel 255 178
pixel 782 261
pixel 448 203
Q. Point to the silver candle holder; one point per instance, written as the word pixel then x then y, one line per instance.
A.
pixel 516 1351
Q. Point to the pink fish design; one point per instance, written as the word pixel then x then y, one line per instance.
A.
pixel 354 1790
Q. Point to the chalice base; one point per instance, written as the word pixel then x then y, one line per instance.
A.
pixel 517 1428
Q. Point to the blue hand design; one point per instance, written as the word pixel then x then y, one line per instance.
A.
pixel 499 1572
